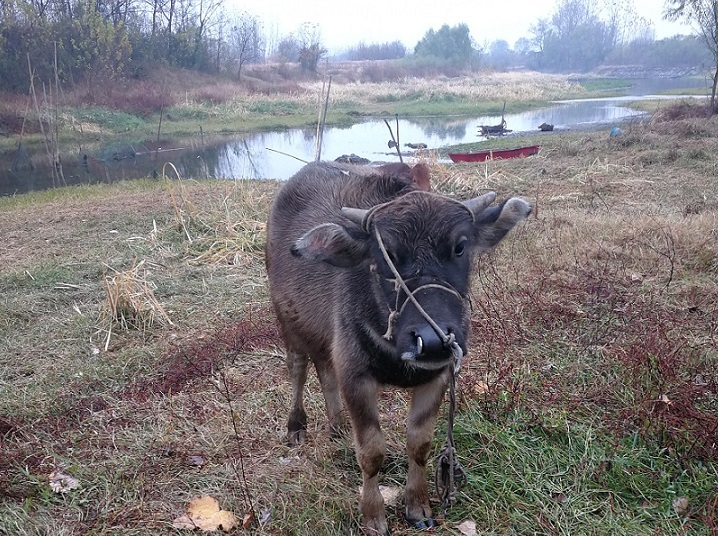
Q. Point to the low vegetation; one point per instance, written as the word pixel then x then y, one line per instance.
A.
pixel 139 354
pixel 136 111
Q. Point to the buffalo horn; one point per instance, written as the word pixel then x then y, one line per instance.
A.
pixel 477 204
pixel 356 215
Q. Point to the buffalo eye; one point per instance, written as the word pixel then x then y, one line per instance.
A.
pixel 460 247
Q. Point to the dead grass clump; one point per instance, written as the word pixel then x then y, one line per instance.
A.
pixel 228 230
pixel 7 429
pixel 664 156
pixel 681 110
pixel 239 249
pixel 691 128
pixel 130 302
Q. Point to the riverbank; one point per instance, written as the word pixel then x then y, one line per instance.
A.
pixel 142 112
pixel 139 354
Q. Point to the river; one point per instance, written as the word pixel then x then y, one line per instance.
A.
pixel 265 154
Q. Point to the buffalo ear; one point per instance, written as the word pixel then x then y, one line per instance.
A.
pixel 331 243
pixel 420 177
pixel 493 223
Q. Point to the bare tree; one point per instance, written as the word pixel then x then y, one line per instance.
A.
pixel 703 15
pixel 206 10
pixel 311 50
pixel 245 41
pixel 579 35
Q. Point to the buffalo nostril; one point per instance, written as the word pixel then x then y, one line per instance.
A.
pixel 428 342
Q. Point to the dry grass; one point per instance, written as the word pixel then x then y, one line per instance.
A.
pixel 217 100
pixel 483 87
pixel 588 401
pixel 131 302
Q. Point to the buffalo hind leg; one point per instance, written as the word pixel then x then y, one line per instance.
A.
pixel 330 388
pixel 297 365
pixel 425 403
pixel 360 395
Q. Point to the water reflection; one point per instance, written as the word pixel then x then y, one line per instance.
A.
pixel 260 155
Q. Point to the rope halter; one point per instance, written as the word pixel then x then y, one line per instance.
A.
pixel 449 475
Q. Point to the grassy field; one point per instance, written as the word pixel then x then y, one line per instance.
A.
pixel 139 355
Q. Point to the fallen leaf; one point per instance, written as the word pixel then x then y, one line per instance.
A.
pixel 680 505
pixel 196 460
pixel 481 387
pixel 390 494
pixel 61 483
pixel 248 520
pixel 204 513
pixel 467 528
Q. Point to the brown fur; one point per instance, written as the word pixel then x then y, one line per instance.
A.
pixel 331 291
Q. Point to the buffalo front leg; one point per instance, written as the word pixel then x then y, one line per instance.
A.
pixel 297 365
pixel 360 395
pixel 425 403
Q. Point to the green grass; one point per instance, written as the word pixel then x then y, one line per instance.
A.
pixel 78 193
pixel 530 476
pixel 605 85
pixel 111 120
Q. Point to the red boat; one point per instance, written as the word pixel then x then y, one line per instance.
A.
pixel 494 154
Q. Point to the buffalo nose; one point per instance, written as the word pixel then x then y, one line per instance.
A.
pixel 428 342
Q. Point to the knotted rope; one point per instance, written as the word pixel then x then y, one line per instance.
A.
pixel 450 475
pixel 449 472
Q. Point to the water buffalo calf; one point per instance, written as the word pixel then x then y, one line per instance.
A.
pixel 340 306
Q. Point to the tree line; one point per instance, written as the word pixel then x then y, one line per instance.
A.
pixel 105 40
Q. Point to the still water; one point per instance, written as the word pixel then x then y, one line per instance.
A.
pixel 260 155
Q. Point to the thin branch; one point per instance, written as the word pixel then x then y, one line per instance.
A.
pixel 394 140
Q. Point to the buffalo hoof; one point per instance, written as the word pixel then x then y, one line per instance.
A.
pixel 296 437
pixel 421 524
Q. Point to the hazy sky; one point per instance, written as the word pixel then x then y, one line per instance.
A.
pixel 344 24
